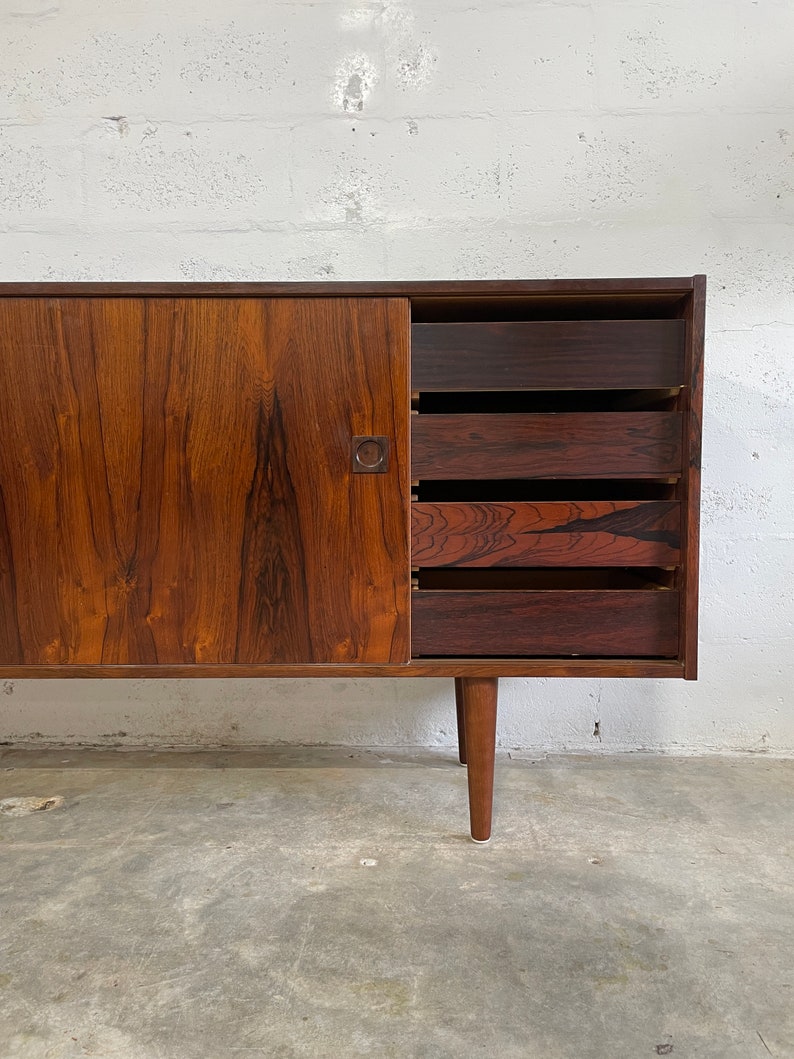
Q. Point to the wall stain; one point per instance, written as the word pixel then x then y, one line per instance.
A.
pixel 356 76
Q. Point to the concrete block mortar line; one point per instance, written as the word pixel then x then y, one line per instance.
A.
pixel 31 17
pixel 159 225
pixel 376 227
pixel 290 121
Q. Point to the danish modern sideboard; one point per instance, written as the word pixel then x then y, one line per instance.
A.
pixel 459 479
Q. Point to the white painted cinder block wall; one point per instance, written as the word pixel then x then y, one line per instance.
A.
pixel 282 139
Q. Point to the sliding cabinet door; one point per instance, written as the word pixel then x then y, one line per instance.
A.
pixel 179 481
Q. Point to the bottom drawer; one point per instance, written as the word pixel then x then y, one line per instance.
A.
pixel 558 623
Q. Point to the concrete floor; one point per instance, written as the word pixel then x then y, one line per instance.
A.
pixel 328 903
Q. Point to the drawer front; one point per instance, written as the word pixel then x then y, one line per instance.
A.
pixel 550 623
pixel 548 355
pixel 584 533
pixel 565 445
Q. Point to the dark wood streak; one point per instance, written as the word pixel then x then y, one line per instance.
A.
pixel 650 522
pixel 584 533
pixel 564 445
pixel 273 590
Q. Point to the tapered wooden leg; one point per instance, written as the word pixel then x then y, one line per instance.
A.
pixel 461 719
pixel 480 695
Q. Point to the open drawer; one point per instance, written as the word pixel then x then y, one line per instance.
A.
pixel 556 533
pixel 554 445
pixel 610 613
pixel 547 354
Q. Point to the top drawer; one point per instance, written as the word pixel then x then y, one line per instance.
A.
pixel 548 355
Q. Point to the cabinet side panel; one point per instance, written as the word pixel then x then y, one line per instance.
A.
pixel 690 483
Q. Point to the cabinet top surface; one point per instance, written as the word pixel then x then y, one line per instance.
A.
pixel 394 288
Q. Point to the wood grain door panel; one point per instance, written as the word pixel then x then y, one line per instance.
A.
pixel 176 482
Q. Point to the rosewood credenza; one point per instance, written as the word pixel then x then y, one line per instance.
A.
pixel 456 479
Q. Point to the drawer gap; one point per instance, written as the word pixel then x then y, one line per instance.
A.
pixel 449 309
pixel 469 402
pixel 539 490
pixel 546 579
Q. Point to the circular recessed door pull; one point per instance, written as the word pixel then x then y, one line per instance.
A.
pixel 370 454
